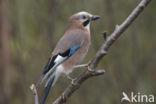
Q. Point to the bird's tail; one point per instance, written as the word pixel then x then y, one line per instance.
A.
pixel 40 81
pixel 50 82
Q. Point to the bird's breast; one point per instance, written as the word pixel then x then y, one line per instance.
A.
pixel 78 56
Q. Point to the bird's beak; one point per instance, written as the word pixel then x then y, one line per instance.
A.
pixel 94 17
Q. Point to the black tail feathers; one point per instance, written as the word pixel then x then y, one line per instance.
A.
pixel 47 89
pixel 40 81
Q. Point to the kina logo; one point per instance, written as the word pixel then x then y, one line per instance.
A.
pixel 137 97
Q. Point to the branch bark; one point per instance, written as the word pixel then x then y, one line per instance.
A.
pixel 101 53
pixel 34 90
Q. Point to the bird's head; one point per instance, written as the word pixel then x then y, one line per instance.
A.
pixel 82 19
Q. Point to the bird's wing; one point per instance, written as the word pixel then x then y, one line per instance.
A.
pixel 65 48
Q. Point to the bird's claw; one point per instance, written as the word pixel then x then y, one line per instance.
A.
pixel 88 64
pixel 90 70
pixel 72 80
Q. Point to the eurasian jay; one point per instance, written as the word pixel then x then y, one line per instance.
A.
pixel 69 51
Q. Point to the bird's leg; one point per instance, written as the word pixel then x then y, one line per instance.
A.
pixel 80 66
pixel 71 79
pixel 83 65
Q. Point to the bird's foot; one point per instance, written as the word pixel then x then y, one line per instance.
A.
pixel 82 65
pixel 88 64
pixel 90 70
pixel 72 80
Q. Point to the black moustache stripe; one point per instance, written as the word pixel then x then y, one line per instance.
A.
pixel 86 23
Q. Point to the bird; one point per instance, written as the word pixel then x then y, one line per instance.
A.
pixel 69 51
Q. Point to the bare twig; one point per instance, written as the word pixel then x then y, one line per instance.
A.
pixel 118 31
pixel 102 52
pixel 33 89
pixel 79 80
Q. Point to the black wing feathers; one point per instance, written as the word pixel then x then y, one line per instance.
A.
pixel 46 67
pixel 51 62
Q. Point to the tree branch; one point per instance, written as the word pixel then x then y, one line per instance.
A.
pixel 34 90
pixel 99 55
pixel 72 88
pixel 118 31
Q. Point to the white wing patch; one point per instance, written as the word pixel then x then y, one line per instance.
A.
pixel 59 59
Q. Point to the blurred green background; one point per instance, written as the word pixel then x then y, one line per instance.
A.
pixel 30 29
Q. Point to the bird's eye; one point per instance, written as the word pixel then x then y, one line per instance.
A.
pixel 83 17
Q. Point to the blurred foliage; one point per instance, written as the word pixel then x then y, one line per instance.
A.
pixel 36 26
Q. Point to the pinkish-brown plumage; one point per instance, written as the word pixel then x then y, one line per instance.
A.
pixel 69 51
pixel 75 33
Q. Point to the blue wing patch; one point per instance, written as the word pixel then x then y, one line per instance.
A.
pixel 51 62
pixel 73 49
